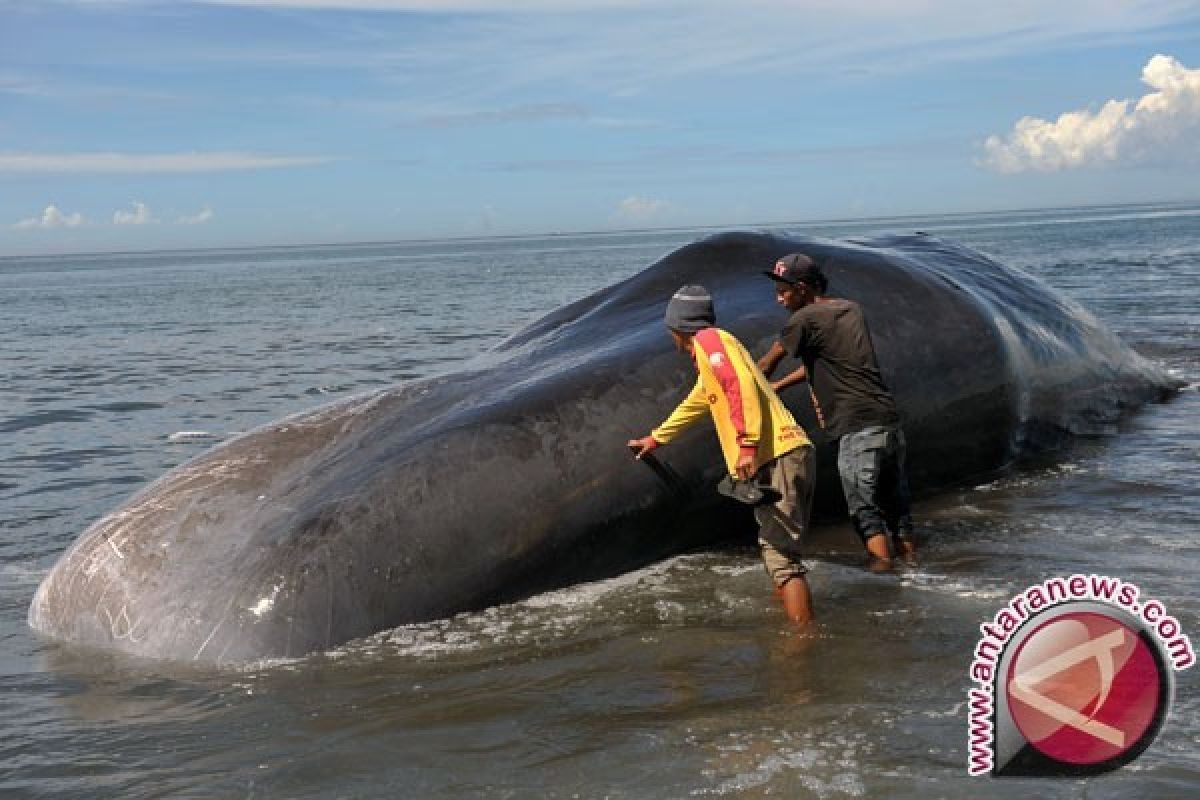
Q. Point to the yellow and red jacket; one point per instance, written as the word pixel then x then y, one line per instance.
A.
pixel 747 413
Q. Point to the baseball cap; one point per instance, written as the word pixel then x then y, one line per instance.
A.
pixel 798 268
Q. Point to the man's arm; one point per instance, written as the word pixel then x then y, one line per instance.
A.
pixel 770 361
pixel 798 375
pixel 690 409
pixel 771 358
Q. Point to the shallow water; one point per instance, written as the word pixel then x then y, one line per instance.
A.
pixel 679 680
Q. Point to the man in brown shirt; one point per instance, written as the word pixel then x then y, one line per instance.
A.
pixel 854 405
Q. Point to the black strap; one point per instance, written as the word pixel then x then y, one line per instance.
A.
pixel 748 492
pixel 779 531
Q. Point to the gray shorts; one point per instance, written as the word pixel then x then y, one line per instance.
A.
pixel 792 475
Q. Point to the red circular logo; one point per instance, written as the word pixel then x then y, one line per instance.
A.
pixel 1084 688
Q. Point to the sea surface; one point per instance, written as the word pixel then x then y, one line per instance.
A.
pixel 677 681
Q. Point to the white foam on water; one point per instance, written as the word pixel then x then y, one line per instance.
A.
pixel 588 593
pixel 953 711
pixel 670 611
pixel 888 613
pixel 544 618
pixel 1171 542
pixel 944 584
pixel 734 571
pixel 268 665
pixel 23 575
pixel 1033 478
pixel 192 436
pixel 732 601
pixel 563 614
pixel 829 768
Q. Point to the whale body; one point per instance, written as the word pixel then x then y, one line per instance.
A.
pixel 512 476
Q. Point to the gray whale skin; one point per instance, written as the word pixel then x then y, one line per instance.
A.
pixel 512 476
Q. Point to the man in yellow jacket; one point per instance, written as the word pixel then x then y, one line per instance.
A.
pixel 759 437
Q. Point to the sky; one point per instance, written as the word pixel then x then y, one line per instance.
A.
pixel 147 124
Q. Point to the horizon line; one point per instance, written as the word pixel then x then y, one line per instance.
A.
pixel 605 232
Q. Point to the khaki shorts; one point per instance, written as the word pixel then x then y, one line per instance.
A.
pixel 793 476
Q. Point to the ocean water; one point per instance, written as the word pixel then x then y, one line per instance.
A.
pixel 680 680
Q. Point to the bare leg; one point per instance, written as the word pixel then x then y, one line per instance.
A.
pixel 906 549
pixel 797 600
pixel 879 556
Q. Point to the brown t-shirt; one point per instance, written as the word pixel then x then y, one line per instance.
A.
pixel 832 339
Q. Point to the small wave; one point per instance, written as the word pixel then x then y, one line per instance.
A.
pixel 127 406
pixel 333 389
pixel 1033 477
pixel 40 418
pixel 192 436
pixel 539 620
pixel 22 574
pixel 1067 219
pixel 734 571
pixel 951 712
pixel 891 612
pixel 944 584
pixel 278 664
pixel 823 767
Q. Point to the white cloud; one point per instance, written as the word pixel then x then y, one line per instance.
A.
pixel 199 218
pixel 640 209
pixel 632 43
pixel 139 216
pixel 19 85
pixel 517 114
pixel 52 218
pixel 624 44
pixel 1161 127
pixel 517 59
pixel 159 163
pixel 483 52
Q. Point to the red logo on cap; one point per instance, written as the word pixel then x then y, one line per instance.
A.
pixel 1084 688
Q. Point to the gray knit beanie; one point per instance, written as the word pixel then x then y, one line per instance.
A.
pixel 691 309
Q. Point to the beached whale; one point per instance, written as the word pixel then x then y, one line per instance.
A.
pixel 512 476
